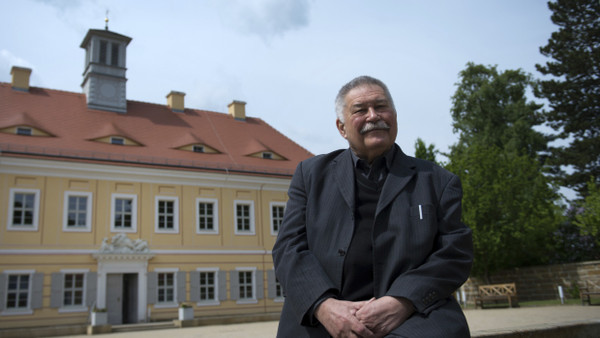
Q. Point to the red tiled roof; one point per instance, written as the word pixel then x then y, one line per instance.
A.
pixel 159 131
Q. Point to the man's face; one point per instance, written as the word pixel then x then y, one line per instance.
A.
pixel 370 122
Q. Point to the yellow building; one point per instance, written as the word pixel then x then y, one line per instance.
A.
pixel 134 207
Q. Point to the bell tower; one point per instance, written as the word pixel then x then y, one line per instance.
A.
pixel 104 81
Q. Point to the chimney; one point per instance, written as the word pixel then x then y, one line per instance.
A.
pixel 237 109
pixel 20 78
pixel 175 101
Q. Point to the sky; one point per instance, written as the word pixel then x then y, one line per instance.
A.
pixel 286 59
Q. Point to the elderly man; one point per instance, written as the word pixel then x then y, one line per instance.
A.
pixel 372 243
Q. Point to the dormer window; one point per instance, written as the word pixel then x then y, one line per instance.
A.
pixel 267 155
pixel 24 131
pixel 117 140
pixel 198 149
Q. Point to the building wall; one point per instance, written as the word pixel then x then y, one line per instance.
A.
pixel 51 249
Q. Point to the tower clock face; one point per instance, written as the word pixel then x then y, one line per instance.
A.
pixel 108 90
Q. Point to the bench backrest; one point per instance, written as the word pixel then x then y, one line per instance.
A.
pixel 498 289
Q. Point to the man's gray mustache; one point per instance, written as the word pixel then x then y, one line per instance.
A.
pixel 379 125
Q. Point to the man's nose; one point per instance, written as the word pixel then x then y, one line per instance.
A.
pixel 372 114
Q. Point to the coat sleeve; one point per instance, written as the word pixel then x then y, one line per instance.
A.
pixel 299 272
pixel 448 265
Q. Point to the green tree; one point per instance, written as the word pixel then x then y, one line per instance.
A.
pixel 573 92
pixel 425 152
pixel 507 200
pixel 588 220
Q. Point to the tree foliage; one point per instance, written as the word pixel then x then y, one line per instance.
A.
pixel 425 152
pixel 507 200
pixel 574 90
pixel 589 218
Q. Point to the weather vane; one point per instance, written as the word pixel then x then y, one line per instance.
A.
pixel 106 21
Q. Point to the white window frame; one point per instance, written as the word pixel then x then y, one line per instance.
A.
pixel 215 203
pixel 216 300
pixel 19 311
pixel 88 216
pixel 252 300
pixel 252 230
pixel 175 201
pixel 74 308
pixel 271 220
pixel 36 210
pixel 134 198
pixel 173 303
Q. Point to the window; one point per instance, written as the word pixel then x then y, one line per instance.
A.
pixel 198 149
pixel 17 291
pixel 278 290
pixel 73 289
pixel 207 286
pixel 124 213
pixel 24 131
pixel 77 213
pixel 277 211
pixel 23 209
pixel 207 220
pixel 103 52
pixel 117 140
pixel 166 287
pixel 69 290
pixel 167 214
pixel 246 285
pixel 114 54
pixel 244 217
pixel 267 155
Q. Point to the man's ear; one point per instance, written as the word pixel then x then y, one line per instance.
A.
pixel 341 127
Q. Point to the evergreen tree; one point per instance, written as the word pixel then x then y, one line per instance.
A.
pixel 574 91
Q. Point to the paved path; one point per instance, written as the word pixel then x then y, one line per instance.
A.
pixel 481 322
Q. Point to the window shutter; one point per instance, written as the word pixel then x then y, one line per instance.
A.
pixel 234 284
pixel 194 286
pixel 37 290
pixel 222 285
pixel 271 289
pixel 181 289
pixel 91 288
pixel 260 284
pixel 2 291
pixel 151 287
pixel 56 289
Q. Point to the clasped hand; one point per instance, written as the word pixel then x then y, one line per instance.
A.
pixel 372 318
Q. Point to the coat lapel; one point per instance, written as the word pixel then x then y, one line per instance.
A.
pixel 400 174
pixel 344 176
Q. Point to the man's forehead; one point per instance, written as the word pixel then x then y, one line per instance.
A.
pixel 366 94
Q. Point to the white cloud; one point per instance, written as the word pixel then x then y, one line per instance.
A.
pixel 266 18
pixel 8 60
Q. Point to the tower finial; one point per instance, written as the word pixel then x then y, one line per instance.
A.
pixel 106 21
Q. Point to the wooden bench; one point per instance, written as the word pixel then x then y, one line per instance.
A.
pixel 496 292
pixel 587 290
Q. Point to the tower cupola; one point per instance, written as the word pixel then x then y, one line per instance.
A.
pixel 104 81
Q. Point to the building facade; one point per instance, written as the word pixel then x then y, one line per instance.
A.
pixel 134 207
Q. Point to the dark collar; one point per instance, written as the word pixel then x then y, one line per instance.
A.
pixel 388 156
